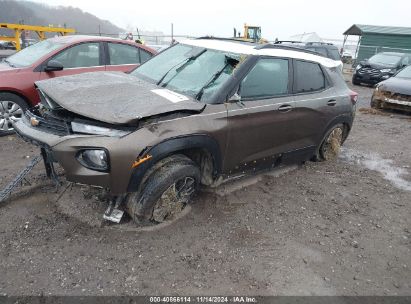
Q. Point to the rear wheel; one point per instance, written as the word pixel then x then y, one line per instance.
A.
pixel 165 192
pixel 331 145
pixel 12 108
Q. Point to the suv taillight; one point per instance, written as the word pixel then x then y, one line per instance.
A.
pixel 353 97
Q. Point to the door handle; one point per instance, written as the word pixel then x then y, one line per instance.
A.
pixel 285 108
pixel 331 102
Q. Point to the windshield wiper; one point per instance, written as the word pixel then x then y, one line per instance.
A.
pixel 181 65
pixel 229 61
pixel 9 63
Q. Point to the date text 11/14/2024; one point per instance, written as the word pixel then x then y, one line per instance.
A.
pixel 203 299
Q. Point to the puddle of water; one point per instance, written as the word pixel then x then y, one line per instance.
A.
pixel 375 162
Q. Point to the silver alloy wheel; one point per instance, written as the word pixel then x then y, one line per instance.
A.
pixel 173 200
pixel 9 112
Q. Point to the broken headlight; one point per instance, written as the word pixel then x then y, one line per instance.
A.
pixel 94 159
pixel 96 130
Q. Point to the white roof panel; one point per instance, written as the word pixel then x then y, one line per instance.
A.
pixel 249 49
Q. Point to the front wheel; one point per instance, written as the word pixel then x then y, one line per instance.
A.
pixel 165 192
pixel 12 108
pixel 375 104
pixel 331 145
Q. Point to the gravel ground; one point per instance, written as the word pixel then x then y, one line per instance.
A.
pixel 336 228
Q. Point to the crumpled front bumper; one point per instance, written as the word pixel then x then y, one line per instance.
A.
pixel 370 79
pixel 34 136
pixel 63 149
pixel 380 100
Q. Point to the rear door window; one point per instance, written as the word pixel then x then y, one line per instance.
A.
pixel 268 78
pixel 308 77
pixel 123 54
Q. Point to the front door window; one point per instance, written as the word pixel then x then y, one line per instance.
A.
pixel 79 56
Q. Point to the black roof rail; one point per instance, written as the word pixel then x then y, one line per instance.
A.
pixel 286 47
pixel 257 46
pixel 319 43
pixel 239 40
pixel 287 41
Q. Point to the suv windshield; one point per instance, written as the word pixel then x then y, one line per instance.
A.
pixel 31 54
pixel 190 70
pixel 404 73
pixel 386 59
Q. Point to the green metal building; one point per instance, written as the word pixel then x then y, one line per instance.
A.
pixel 374 39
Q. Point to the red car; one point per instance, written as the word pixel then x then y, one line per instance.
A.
pixel 60 56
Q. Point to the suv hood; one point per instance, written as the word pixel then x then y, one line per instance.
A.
pixel 114 97
pixel 397 85
pixel 378 66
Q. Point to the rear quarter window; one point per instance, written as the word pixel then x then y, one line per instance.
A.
pixel 308 77
pixel 405 60
pixel 334 54
pixel 319 50
pixel 144 55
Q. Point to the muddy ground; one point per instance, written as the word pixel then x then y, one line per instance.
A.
pixel 337 228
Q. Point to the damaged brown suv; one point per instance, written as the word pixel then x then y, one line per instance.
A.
pixel 200 112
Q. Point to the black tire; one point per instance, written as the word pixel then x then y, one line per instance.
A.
pixel 375 105
pixel 331 144
pixel 175 169
pixel 7 100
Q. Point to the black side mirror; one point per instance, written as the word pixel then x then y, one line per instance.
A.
pixel 53 65
pixel 235 98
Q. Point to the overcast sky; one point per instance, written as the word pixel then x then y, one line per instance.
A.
pixel 218 17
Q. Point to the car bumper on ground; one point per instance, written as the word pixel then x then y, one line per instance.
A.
pixel 64 149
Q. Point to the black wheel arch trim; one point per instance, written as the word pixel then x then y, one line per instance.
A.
pixel 18 94
pixel 344 119
pixel 173 146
